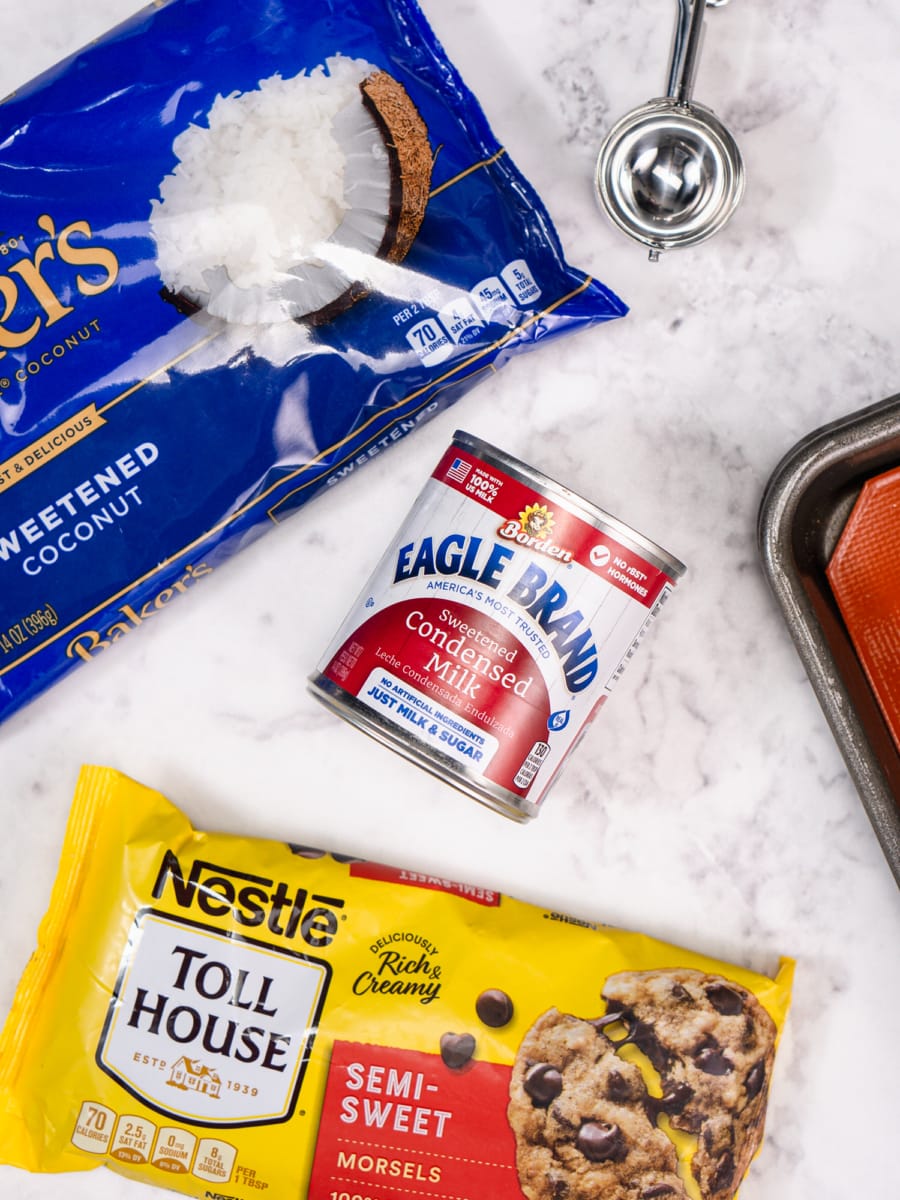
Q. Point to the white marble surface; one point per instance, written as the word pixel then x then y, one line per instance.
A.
pixel 709 805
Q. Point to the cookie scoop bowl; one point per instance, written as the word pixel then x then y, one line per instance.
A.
pixel 670 175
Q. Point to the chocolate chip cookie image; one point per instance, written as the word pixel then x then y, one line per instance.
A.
pixel 713 1045
pixel 581 1120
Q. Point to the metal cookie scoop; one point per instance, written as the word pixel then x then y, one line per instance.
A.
pixel 669 173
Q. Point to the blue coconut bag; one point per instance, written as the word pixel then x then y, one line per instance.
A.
pixel 141 444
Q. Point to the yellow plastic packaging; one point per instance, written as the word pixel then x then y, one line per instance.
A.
pixel 234 1018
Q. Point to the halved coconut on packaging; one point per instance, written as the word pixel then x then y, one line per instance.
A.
pixel 255 223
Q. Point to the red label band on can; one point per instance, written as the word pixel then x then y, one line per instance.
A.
pixel 494 627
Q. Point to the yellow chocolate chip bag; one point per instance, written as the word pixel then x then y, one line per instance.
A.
pixel 234 1018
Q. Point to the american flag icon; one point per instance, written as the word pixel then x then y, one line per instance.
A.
pixel 458 470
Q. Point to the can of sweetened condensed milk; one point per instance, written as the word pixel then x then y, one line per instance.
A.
pixel 494 627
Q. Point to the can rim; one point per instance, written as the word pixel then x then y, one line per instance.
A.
pixel 492 795
pixel 598 517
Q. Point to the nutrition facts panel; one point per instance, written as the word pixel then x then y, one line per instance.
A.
pixel 462 320
pixel 135 1140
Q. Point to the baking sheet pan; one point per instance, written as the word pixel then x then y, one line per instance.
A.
pixel 804 509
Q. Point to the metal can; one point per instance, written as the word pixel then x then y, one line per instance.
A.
pixel 494 627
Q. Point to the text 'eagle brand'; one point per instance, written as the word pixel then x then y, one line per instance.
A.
pixel 543 599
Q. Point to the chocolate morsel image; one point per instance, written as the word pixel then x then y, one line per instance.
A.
pixel 494 1008
pixel 724 999
pixel 756 1077
pixel 712 1061
pixel 457 1049
pixel 543 1083
pixel 601 1141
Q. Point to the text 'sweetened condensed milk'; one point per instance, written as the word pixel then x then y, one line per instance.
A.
pixel 494 627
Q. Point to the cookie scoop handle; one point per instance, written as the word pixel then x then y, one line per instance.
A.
pixel 686 44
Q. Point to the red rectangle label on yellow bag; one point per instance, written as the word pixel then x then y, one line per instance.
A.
pixel 400 1119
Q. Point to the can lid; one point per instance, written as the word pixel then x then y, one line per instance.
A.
pixel 588 511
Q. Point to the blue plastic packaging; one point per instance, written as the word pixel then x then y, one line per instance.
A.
pixel 142 443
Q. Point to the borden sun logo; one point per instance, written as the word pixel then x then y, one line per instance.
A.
pixel 536 520
pixel 533 530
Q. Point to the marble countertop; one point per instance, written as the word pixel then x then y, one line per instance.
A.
pixel 709 804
